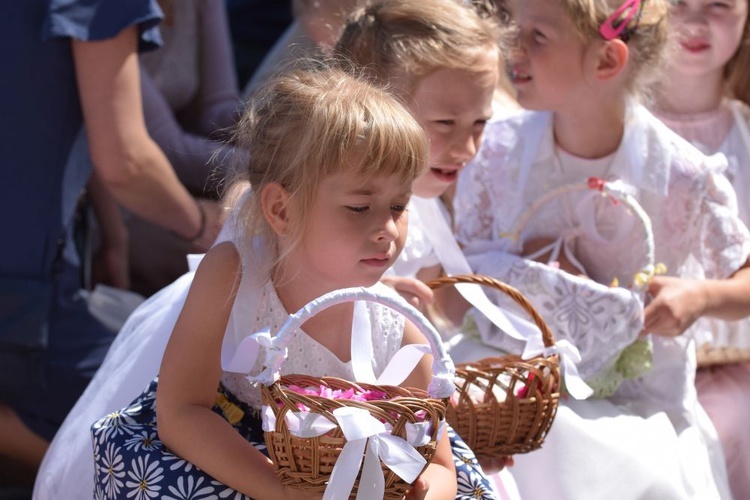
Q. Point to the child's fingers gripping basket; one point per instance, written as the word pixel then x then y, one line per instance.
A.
pixel 321 431
pixel 504 405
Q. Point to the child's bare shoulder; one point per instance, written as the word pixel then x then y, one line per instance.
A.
pixel 221 261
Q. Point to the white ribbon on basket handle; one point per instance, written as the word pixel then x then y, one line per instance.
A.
pixel 243 359
pixel 454 263
pixel 569 358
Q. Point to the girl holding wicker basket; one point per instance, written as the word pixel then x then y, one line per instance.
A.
pixel 579 66
pixel 705 98
pixel 331 166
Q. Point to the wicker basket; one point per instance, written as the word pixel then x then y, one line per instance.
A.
pixel 619 194
pixel 708 355
pixel 308 462
pixel 504 405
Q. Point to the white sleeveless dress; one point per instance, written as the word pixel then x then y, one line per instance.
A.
pixel 133 361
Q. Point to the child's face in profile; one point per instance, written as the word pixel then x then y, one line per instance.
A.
pixel 453 105
pixel 547 69
pixel 705 34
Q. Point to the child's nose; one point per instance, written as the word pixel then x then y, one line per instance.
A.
pixel 465 148
pixel 517 48
pixel 388 230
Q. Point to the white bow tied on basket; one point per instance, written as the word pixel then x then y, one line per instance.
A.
pixel 319 443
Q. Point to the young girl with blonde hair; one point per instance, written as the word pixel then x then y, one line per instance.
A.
pixel 442 59
pixel 331 166
pixel 579 66
pixel 704 97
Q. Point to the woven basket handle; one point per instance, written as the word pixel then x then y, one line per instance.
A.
pixel 615 190
pixel 443 369
pixel 511 292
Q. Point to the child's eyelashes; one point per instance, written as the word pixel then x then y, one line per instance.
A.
pixel 357 209
pixel 539 37
pixel 450 123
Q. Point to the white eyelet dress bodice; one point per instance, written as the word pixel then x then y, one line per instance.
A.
pixel 306 355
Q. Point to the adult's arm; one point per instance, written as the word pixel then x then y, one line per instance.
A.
pixel 127 160
pixel 201 163
pixel 219 103
pixel 110 263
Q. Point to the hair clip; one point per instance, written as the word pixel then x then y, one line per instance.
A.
pixel 614 26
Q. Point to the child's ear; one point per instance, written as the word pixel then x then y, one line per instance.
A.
pixel 275 200
pixel 613 56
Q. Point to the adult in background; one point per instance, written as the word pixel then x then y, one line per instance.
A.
pixel 73 62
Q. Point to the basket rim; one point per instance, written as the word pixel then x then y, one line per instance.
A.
pixel 606 187
pixel 510 291
pixel 709 355
pixel 403 395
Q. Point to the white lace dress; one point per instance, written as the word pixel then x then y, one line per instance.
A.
pixel 652 439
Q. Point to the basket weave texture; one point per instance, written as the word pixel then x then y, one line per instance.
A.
pixel 504 405
pixel 317 443
pixel 709 355
pixel 307 463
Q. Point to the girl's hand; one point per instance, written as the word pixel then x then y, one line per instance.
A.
pixel 413 290
pixel 676 304
pixel 418 490
pixel 496 464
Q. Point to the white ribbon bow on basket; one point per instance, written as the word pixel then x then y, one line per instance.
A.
pixel 569 357
pixel 367 438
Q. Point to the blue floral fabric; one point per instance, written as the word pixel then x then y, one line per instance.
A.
pixel 132 463
pixel 472 482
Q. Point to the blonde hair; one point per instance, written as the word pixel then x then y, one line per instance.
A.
pixel 411 39
pixel 310 123
pixel 648 33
